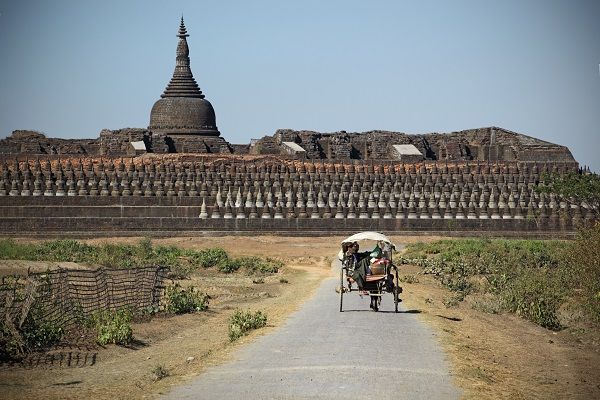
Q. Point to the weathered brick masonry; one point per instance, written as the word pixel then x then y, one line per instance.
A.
pixel 154 196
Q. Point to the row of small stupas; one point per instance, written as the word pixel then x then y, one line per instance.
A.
pixel 184 121
pixel 307 190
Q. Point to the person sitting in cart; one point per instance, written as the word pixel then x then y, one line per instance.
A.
pixel 380 257
pixel 363 261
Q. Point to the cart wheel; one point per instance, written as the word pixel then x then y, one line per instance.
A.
pixel 341 289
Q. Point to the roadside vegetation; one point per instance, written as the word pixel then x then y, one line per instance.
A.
pixel 160 372
pixel 546 282
pixel 242 322
pixel 112 326
pixel 181 262
pixel 41 329
pixel 181 300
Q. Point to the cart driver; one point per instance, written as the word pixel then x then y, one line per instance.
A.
pixel 362 265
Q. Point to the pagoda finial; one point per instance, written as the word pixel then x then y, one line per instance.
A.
pixel 182 31
pixel 182 83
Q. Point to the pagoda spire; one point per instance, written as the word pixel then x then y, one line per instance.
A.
pixel 182 83
pixel 182 31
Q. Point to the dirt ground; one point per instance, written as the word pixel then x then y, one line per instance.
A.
pixel 184 345
pixel 491 356
pixel 502 356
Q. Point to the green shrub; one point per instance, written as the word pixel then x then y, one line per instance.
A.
pixel 454 275
pixel 174 258
pixel 181 301
pixel 488 305
pixel 160 372
pixel 40 329
pixel 482 256
pixel 38 332
pixel 251 265
pixel 166 255
pixel 10 250
pixel 112 326
pixel 108 255
pixel 116 256
pixel 41 333
pixel 147 312
pixel 271 265
pixel 181 263
pixel 208 258
pixel 525 277
pixel 241 322
pixel 64 250
pixel 230 265
pixel 145 246
pixel 583 270
pixel 11 344
pixel 536 296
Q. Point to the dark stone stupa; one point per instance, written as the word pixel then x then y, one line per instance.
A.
pixel 182 109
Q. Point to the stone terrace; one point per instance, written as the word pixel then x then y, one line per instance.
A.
pixel 183 194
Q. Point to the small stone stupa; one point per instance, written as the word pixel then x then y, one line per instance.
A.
pixel 182 113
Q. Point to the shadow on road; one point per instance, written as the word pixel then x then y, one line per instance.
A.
pixel 449 318
pixel 387 311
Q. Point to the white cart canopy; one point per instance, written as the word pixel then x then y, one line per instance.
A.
pixel 368 236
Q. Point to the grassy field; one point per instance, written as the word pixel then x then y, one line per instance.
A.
pixel 39 331
pixel 535 279
pixel 181 262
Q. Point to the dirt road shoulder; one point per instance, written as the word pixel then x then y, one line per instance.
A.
pixel 501 356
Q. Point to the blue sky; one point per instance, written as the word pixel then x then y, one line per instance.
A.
pixel 72 68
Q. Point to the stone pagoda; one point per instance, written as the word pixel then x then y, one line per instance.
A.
pixel 182 115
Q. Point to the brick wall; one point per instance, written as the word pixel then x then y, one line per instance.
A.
pixel 172 194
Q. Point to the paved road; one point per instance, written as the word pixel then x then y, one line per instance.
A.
pixel 321 353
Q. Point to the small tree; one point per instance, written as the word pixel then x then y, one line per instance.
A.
pixel 575 189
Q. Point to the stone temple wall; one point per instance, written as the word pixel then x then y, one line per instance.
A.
pixel 158 195
pixel 484 144
pixel 119 142
pixel 32 142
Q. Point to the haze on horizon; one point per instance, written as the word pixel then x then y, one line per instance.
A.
pixel 71 68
